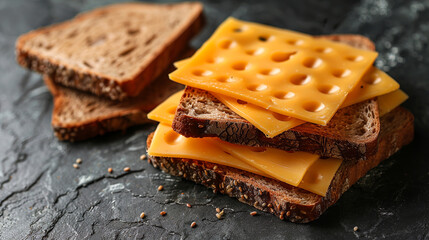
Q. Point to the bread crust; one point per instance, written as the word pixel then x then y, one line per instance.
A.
pixel 283 200
pixel 103 85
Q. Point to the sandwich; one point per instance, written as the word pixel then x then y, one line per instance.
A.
pixel 280 120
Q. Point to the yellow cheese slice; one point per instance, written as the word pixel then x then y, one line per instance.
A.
pixel 268 122
pixel 167 143
pixel 284 71
pixel 374 83
pixel 319 176
pixel 390 101
pixel 165 111
pixel 180 63
pixel 285 166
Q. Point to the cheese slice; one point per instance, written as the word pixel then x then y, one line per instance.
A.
pixel 285 166
pixel 165 111
pixel 390 101
pixel 316 179
pixel 167 143
pixel 284 71
pixel 373 84
pixel 319 176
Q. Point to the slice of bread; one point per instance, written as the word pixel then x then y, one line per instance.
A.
pixel 351 133
pixel 283 200
pixel 78 115
pixel 113 51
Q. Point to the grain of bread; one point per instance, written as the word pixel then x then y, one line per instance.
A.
pixel 351 134
pixel 283 200
pixel 78 115
pixel 113 51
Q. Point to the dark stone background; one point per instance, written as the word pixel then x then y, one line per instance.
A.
pixel 43 196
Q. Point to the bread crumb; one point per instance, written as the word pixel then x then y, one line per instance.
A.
pixel 75 165
pixel 188 205
pixel 110 170
pixel 193 224
pixel 143 157
pixel 163 213
pixel 254 213
pixel 127 169
pixel 160 188
pixel 142 215
pixel 78 161
pixel 355 228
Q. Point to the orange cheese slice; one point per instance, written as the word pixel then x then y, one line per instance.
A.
pixel 285 166
pixel 319 176
pixel 165 111
pixel 374 83
pixel 167 143
pixel 283 71
pixel 317 173
pixel 390 101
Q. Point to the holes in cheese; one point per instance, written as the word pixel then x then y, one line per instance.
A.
pixel 299 169
pixel 262 118
pixel 165 111
pixel 263 55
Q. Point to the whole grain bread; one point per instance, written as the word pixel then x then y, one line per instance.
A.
pixel 78 115
pixel 113 51
pixel 351 134
pixel 283 200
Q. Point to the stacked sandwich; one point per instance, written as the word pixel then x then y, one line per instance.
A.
pixel 281 120
pixel 107 68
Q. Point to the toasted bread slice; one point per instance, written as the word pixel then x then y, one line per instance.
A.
pixel 351 133
pixel 283 200
pixel 78 115
pixel 113 51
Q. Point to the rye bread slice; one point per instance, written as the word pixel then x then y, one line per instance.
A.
pixel 78 115
pixel 351 133
pixel 113 51
pixel 283 200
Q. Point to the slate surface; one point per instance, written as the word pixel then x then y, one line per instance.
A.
pixel 43 196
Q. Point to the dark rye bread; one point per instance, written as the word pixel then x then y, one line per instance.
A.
pixel 78 115
pixel 113 51
pixel 351 133
pixel 283 200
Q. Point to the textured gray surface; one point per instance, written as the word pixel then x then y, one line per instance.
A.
pixel 43 196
